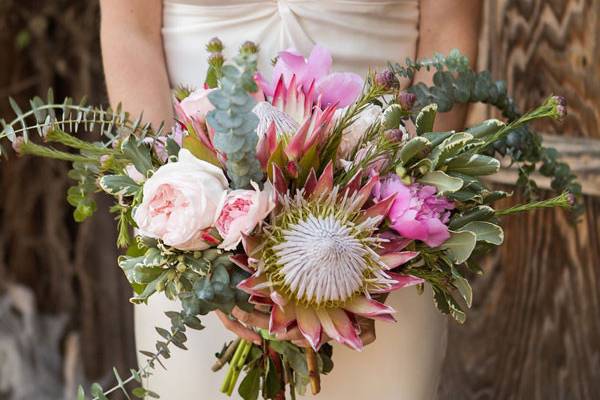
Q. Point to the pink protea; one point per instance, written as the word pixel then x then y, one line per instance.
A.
pixel 417 213
pixel 320 262
pixel 313 73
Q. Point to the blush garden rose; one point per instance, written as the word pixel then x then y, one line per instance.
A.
pixel 180 202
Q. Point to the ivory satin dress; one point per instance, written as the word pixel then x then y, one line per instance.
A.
pixel 404 362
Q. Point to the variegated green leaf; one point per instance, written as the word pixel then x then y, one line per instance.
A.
pixel 475 165
pixel 426 119
pixel 118 185
pixel 485 231
pixel 460 246
pixel 442 181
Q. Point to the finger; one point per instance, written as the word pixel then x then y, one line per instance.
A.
pixel 291 335
pixel 254 318
pixel 301 343
pixel 239 329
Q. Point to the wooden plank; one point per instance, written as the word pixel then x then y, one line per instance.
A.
pixel 534 330
pixel 581 153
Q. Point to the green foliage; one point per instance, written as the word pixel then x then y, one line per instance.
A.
pixel 234 122
pixel 455 82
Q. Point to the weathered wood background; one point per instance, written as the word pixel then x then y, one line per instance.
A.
pixel 534 331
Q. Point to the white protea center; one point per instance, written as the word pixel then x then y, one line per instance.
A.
pixel 321 260
pixel 321 253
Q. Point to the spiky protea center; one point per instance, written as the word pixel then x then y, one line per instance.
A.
pixel 321 260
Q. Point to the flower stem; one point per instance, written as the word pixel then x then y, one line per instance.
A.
pixel 235 366
pixel 565 200
pixel 227 355
pixel 313 370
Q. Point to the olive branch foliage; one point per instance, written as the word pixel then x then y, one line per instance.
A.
pixel 207 280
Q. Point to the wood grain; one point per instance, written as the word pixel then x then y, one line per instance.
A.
pixel 534 330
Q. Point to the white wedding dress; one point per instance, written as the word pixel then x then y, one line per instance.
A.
pixel 404 363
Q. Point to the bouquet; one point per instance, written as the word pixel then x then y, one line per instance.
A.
pixel 308 196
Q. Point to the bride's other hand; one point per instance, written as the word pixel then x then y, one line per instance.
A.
pixel 242 323
pixel 133 58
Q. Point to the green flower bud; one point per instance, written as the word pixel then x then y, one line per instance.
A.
pixel 249 48
pixel 214 45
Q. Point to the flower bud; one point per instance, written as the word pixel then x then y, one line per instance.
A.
pixel 406 100
pixel 214 45
pixel 561 106
pixel 216 60
pixel 249 48
pixel 386 79
pixel 395 135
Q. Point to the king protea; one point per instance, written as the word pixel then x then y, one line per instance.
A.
pixel 320 261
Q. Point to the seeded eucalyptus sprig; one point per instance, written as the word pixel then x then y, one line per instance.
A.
pixel 455 82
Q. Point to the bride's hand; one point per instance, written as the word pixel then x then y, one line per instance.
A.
pixel 367 334
pixel 242 323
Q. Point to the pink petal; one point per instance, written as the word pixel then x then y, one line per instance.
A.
pixel 260 300
pixel 278 299
pixel 241 260
pixel 318 65
pixel 279 181
pixel 309 326
pixel 328 325
pixel 354 184
pixel 264 146
pixel 281 318
pixel 255 285
pixel 265 85
pixel 295 147
pixel 404 280
pixel 311 182
pixel 370 308
pixel 437 232
pixel 395 259
pixel 325 182
pixel 365 192
pixel 378 210
pixel 339 88
pixel 251 243
pixel 346 329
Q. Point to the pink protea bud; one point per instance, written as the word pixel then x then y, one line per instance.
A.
pixel 386 79
pixel 406 100
pixel 214 45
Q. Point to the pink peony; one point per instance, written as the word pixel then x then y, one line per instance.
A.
pixel 197 104
pixel 180 202
pixel 241 211
pixel 417 213
pixel 341 88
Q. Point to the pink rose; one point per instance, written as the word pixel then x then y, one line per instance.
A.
pixel 181 201
pixel 197 104
pixel 241 211
pixel 417 213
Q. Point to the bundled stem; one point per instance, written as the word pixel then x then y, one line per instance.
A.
pixel 313 370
